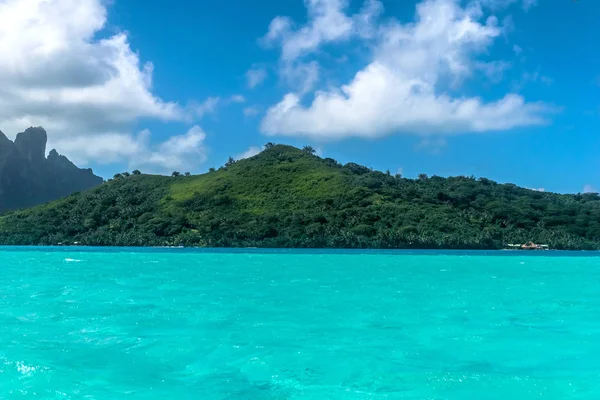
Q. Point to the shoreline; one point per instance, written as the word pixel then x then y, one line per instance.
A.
pixel 298 251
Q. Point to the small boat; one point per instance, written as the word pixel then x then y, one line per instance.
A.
pixel 528 246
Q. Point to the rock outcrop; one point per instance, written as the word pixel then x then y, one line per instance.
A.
pixel 28 177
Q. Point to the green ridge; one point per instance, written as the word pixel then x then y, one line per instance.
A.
pixel 286 197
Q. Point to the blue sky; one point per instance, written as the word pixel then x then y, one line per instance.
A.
pixel 506 89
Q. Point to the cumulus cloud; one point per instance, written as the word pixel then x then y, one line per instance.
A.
pixel 57 72
pixel 87 90
pixel 328 23
pixel 401 89
pixel 184 151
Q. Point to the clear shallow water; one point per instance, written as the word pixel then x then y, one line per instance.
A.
pixel 159 324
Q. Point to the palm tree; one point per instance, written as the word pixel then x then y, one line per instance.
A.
pixel 309 150
pixel 230 162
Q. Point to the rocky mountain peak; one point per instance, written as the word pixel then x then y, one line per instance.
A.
pixel 28 178
pixel 3 137
pixel 32 144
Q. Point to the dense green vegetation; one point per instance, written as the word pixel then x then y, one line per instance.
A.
pixel 286 197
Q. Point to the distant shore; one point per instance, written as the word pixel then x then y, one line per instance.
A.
pixel 286 197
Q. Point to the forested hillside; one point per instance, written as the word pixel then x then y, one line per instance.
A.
pixel 287 197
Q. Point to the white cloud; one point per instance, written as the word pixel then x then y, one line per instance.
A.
pixel 327 23
pixel 255 77
pixel 251 152
pixel 58 74
pixel 184 152
pixel 589 189
pixel 399 91
pixel 102 148
pixel 278 27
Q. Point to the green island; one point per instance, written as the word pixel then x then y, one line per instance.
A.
pixel 286 197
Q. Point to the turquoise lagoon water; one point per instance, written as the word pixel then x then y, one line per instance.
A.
pixel 183 324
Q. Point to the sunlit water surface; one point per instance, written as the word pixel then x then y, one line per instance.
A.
pixel 178 324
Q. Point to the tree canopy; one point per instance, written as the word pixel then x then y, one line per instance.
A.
pixel 286 197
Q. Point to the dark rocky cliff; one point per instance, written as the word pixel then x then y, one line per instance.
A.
pixel 28 178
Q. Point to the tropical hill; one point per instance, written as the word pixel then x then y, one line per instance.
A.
pixel 28 177
pixel 287 197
